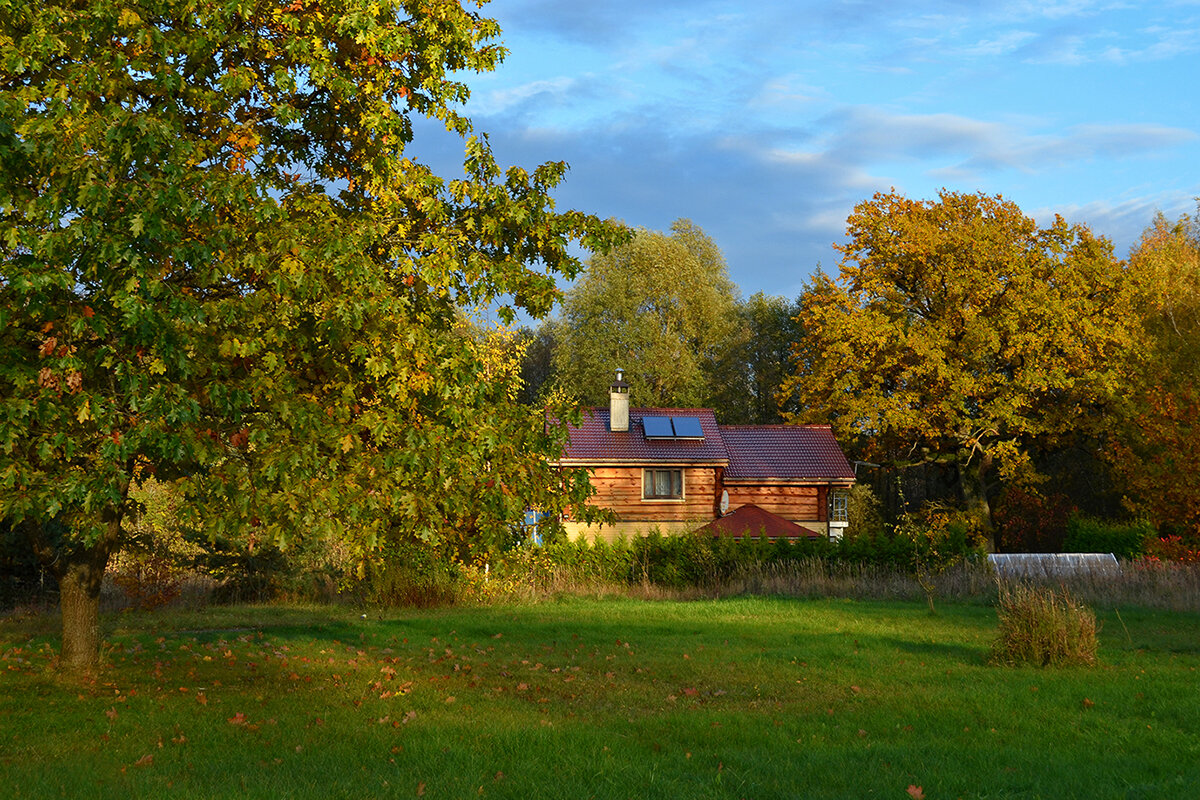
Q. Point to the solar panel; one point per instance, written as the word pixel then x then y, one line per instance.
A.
pixel 687 427
pixel 658 427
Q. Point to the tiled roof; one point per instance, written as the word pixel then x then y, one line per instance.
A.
pixel 751 521
pixel 784 452
pixel 592 442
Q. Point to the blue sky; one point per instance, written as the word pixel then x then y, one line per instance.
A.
pixel 765 122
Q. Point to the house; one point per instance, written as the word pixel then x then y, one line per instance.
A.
pixel 677 469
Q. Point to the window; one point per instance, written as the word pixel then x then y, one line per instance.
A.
pixel 662 484
pixel 839 507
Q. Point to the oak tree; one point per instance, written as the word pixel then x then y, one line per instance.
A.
pixel 218 265
pixel 959 331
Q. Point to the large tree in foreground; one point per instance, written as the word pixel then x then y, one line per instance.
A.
pixel 660 306
pixel 217 264
pixel 958 331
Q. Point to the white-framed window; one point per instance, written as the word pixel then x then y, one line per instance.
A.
pixel 662 484
pixel 839 507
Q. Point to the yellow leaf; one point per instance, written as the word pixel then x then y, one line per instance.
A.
pixel 85 411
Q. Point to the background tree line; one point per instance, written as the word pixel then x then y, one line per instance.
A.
pixel 1018 373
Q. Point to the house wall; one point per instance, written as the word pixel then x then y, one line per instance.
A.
pixel 804 505
pixel 620 489
pixel 627 530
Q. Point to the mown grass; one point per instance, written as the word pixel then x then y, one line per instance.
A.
pixel 744 697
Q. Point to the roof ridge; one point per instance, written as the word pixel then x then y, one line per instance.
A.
pixel 781 426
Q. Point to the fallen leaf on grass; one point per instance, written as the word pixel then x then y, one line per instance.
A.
pixel 916 792
pixel 237 719
pixel 421 789
pixel 144 761
pixel 1087 703
pixel 111 713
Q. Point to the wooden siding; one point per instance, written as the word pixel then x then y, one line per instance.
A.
pixel 796 503
pixel 620 489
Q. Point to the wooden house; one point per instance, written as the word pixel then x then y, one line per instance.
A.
pixel 677 469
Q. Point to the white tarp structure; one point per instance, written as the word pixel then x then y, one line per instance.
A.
pixel 1053 565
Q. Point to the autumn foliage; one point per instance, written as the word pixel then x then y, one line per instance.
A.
pixel 218 265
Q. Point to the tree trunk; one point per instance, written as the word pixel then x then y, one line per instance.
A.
pixel 972 479
pixel 80 573
pixel 79 596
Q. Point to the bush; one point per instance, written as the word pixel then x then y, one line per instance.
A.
pixel 1029 522
pixel 412 574
pixel 148 580
pixel 1045 627
pixel 1172 548
pixel 1124 540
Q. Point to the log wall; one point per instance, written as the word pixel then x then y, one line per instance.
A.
pixel 796 503
pixel 620 489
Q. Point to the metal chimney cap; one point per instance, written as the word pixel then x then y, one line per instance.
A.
pixel 620 383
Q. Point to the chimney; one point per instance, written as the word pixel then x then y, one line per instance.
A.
pixel 618 403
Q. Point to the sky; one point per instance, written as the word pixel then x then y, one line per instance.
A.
pixel 765 122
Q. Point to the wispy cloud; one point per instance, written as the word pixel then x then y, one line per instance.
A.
pixel 767 122
pixel 499 101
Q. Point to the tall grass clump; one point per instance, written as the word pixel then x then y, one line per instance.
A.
pixel 1043 626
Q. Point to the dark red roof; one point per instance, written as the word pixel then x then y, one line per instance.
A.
pixel 592 442
pixel 752 521
pixel 784 452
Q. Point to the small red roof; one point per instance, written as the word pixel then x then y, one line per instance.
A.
pixel 784 452
pixel 751 521
pixel 591 442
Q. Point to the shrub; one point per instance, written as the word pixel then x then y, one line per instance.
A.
pixel 1043 626
pixel 1124 540
pixel 412 574
pixel 1172 548
pixel 865 511
pixel 149 580
pixel 1029 522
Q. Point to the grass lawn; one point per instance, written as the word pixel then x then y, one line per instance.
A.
pixel 741 698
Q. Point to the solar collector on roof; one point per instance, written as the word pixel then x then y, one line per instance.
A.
pixel 687 428
pixel 658 427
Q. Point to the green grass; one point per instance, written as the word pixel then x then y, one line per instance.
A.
pixel 740 698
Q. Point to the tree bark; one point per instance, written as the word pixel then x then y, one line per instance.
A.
pixel 972 479
pixel 79 581
pixel 80 570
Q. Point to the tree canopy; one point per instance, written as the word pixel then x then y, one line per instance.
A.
pixel 1157 454
pixel 218 264
pixel 751 365
pixel 958 331
pixel 660 307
